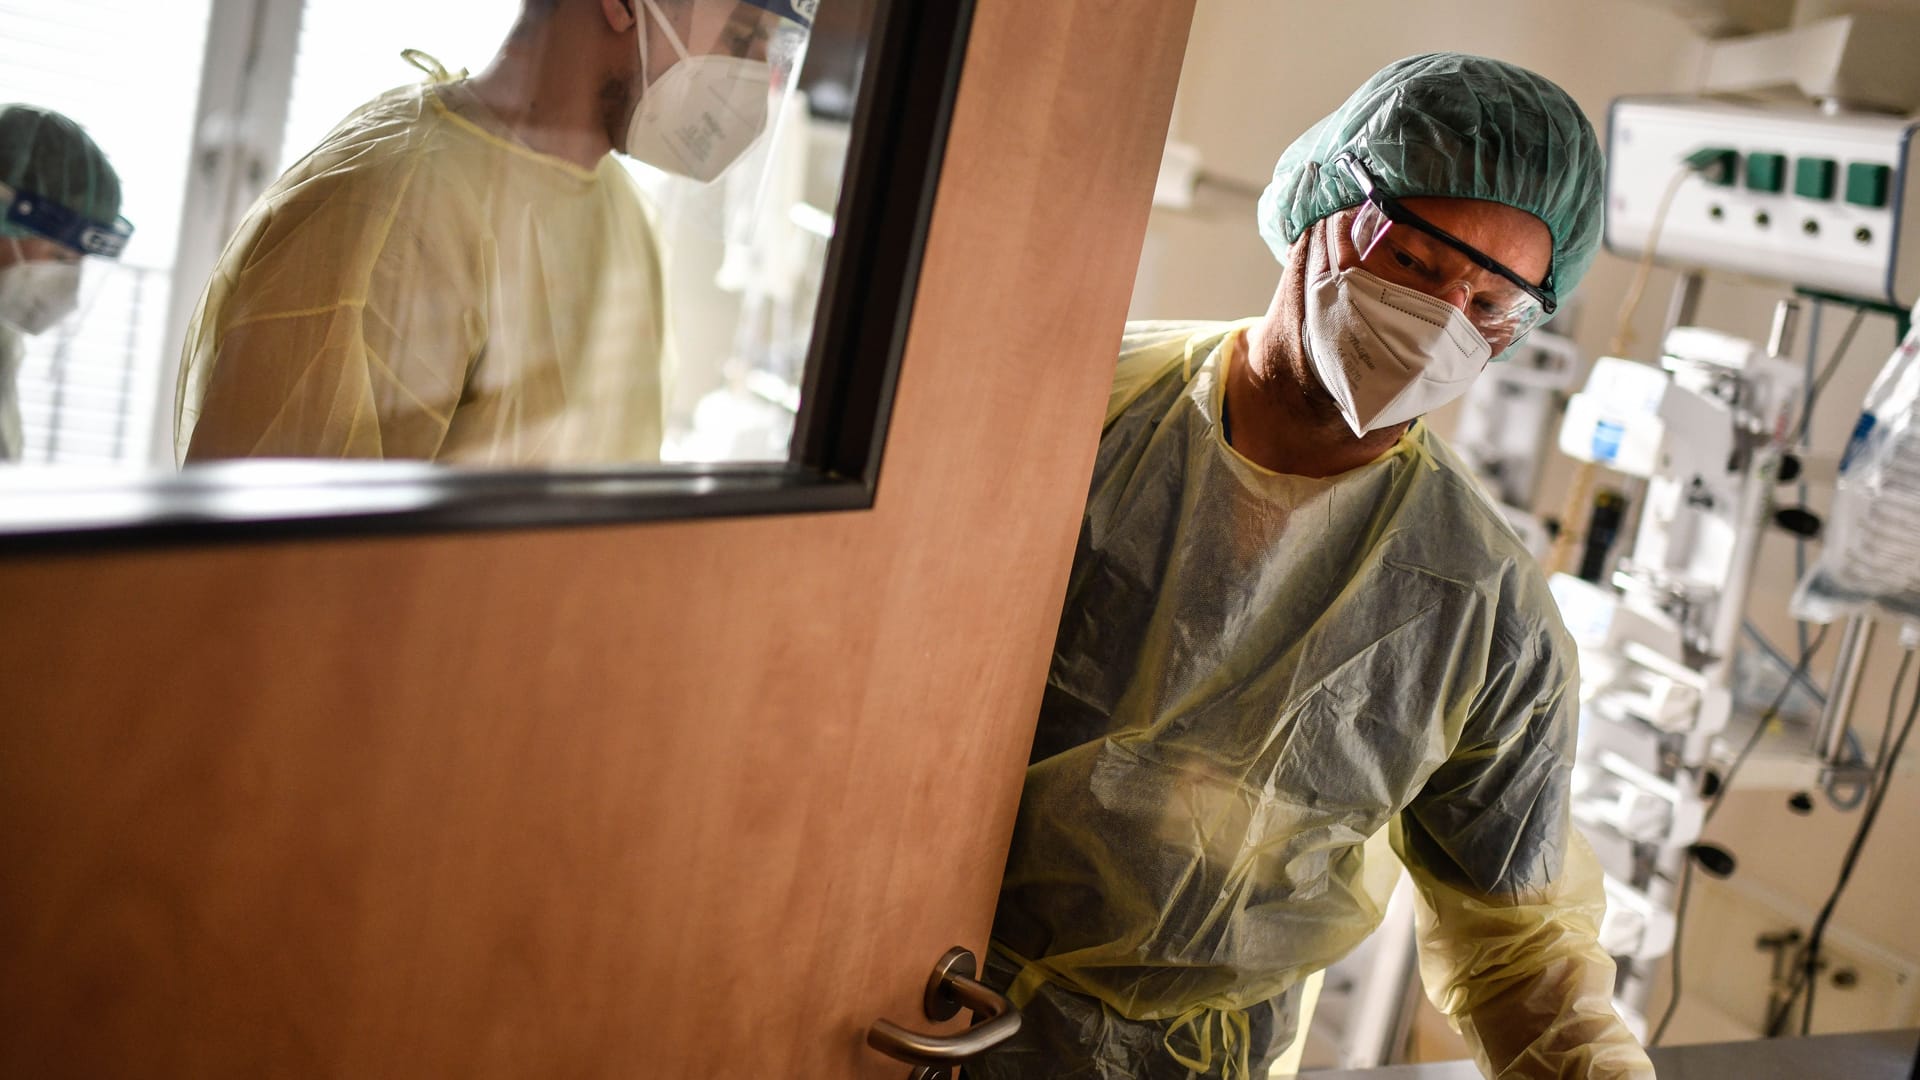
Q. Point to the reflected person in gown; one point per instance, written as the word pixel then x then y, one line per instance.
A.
pixel 59 204
pixel 461 272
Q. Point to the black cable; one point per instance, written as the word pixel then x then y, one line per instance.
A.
pixel 1810 395
pixel 1807 963
pixel 1881 765
pixel 1878 799
pixel 1726 784
pixel 1773 653
pixel 1798 674
pixel 1760 728
pixel 1679 924
pixel 1859 756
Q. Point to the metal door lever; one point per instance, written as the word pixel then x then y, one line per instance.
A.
pixel 950 988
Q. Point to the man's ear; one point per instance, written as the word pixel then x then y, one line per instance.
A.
pixel 621 15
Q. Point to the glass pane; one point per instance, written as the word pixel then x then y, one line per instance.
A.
pixel 128 71
pixel 455 268
pixel 350 51
pixel 484 233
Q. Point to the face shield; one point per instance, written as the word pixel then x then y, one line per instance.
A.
pixel 742 178
pixel 54 261
pixel 733 66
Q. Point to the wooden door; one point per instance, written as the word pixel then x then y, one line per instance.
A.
pixel 687 800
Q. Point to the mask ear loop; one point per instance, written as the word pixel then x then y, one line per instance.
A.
pixel 646 77
pixel 673 36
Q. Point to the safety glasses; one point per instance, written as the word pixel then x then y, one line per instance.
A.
pixel 1397 245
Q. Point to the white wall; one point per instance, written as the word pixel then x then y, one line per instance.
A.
pixel 1258 72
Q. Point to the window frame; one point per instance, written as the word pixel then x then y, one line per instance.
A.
pixel 897 144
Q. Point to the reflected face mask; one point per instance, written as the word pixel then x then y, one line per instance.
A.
pixel 35 296
pixel 1386 353
pixel 702 114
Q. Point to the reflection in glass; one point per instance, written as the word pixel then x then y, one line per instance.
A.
pixel 59 210
pixel 128 74
pixel 463 272
pixel 450 271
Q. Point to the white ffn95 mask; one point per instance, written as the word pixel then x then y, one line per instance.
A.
pixel 701 115
pixel 1387 353
pixel 35 296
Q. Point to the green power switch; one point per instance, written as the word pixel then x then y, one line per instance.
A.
pixel 1813 178
pixel 1717 165
pixel 1867 184
pixel 1767 172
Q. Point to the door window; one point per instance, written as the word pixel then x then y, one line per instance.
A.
pixel 129 71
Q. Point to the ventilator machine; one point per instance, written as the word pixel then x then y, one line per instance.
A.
pixel 1797 169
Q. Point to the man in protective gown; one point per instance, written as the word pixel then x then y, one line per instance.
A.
pixel 1297 634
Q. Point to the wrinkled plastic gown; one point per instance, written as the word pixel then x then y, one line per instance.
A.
pixel 1257 679
pixel 422 286
pixel 1870 555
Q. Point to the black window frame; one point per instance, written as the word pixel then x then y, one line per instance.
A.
pixel 897 145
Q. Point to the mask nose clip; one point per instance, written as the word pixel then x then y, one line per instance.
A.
pixel 1458 295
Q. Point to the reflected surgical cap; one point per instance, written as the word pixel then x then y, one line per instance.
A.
pixel 47 154
pixel 1449 124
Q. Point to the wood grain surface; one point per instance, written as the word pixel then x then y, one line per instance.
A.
pixel 681 800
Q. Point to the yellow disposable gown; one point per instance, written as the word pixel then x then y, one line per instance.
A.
pixel 422 287
pixel 1259 681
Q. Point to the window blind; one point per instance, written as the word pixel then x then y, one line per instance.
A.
pixel 129 72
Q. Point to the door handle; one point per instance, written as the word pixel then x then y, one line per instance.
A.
pixel 949 988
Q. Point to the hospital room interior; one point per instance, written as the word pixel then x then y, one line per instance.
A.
pixel 959 538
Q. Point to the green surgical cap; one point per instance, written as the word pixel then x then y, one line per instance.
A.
pixel 1454 125
pixel 49 155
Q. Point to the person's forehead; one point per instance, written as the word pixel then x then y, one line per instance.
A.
pixel 1518 240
